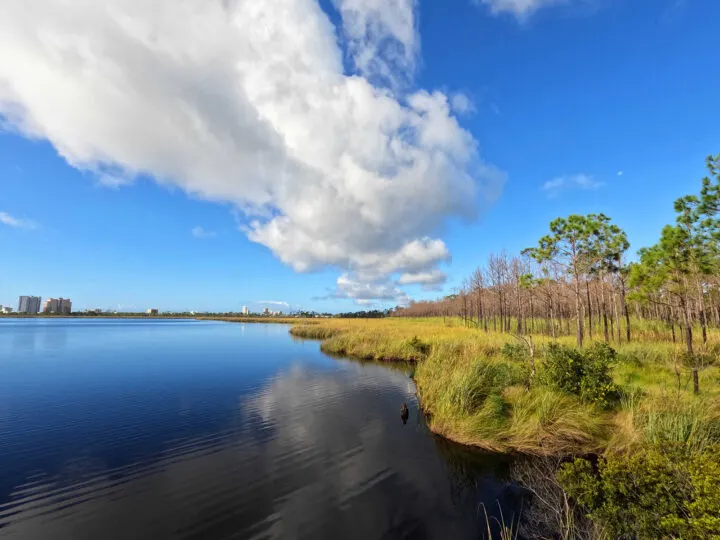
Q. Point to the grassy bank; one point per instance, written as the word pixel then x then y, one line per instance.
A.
pixel 476 393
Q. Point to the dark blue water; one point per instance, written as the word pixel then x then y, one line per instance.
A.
pixel 186 429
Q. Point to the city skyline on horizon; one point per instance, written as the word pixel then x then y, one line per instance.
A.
pixel 22 307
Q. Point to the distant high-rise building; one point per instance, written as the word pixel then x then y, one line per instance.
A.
pixel 245 310
pixel 152 311
pixel 29 304
pixel 58 306
pixel 266 311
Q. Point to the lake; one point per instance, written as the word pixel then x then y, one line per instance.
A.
pixel 195 429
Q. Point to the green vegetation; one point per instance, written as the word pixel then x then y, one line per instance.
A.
pixel 478 387
pixel 586 374
pixel 571 354
pixel 543 397
pixel 658 492
pixel 260 319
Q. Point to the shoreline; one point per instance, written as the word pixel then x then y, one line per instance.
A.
pixel 470 393
pixel 324 335
pixel 255 320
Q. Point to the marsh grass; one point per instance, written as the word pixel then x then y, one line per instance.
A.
pixel 474 395
pixel 313 331
pixel 506 531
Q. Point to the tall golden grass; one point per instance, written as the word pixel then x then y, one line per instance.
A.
pixel 475 396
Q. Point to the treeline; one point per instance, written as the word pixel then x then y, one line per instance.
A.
pixel 578 279
pixel 372 314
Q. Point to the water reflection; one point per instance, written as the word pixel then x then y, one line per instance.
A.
pixel 55 339
pixel 194 440
pixel 24 340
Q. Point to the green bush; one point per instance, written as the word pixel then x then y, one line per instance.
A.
pixel 596 384
pixel 583 373
pixel 704 508
pixel 659 492
pixel 520 354
pixel 563 368
pixel 515 351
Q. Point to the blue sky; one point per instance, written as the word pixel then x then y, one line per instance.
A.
pixel 556 100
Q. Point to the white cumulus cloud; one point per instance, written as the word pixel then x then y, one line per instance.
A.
pixel 430 279
pixel 248 102
pixel 368 292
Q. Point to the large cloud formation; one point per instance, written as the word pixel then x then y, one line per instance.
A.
pixel 308 128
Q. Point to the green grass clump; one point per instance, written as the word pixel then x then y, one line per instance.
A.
pixel 548 422
pixel 645 353
pixel 691 422
pixel 313 331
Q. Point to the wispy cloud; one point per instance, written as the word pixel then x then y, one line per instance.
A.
pixel 567 182
pixel 620 173
pixel 519 8
pixel 462 104
pixel 271 303
pixel 199 232
pixel 11 221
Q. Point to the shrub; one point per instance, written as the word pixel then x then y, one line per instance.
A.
pixel 704 509
pixel 659 492
pixel 583 373
pixel 596 384
pixel 563 368
pixel 521 354
pixel 515 351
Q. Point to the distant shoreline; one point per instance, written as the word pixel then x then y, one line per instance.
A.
pixel 257 320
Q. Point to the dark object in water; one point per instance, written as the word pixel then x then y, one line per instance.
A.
pixel 404 413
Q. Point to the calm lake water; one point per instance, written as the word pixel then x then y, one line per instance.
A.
pixel 186 429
